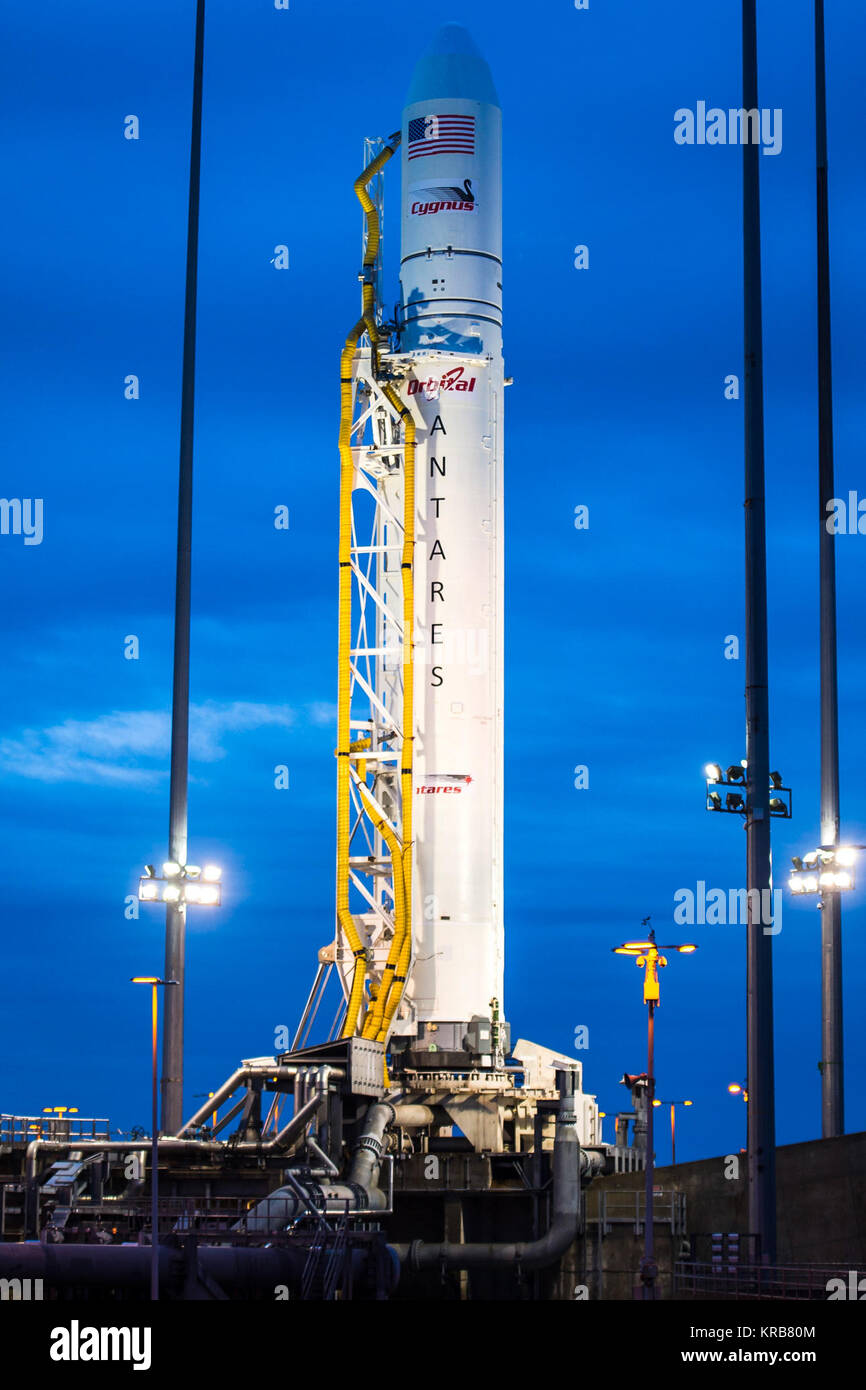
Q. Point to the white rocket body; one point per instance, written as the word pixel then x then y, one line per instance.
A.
pixel 451 278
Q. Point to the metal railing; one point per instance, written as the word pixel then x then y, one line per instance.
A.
pixel 213 1217
pixel 693 1279
pixel 629 1159
pixel 180 1215
pixel 20 1130
pixel 628 1208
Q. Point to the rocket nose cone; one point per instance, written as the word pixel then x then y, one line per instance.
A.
pixel 453 38
pixel 452 67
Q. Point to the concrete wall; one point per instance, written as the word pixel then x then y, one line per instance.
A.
pixel 821 1212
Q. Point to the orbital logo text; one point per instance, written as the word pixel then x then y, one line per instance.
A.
pixel 451 381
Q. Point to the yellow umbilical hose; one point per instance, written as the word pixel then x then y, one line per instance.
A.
pixel 374 1016
pixel 407 572
pixel 389 995
pixel 361 763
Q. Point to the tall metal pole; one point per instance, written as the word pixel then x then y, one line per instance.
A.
pixel 154 1163
pixel 175 920
pixel 832 1076
pixel 762 1123
pixel 649 1205
pixel 673 1135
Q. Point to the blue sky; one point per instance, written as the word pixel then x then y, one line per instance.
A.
pixel 615 635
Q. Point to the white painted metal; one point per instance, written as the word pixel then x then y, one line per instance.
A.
pixel 451 338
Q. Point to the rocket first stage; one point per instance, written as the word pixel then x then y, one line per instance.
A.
pixel 419 939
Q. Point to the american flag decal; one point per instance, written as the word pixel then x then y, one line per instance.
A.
pixel 441 134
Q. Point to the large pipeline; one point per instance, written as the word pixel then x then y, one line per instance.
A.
pixel 188 1272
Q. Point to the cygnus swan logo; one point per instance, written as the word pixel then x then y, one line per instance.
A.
pixel 426 199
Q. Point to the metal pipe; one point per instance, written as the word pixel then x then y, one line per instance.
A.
pixel 359 1192
pixel 312 999
pixel 229 1087
pixel 302 1084
pixel 311 1023
pixel 367 1159
pixel 197 1271
pixel 228 1117
pixel 413 1116
pixel 175 914
pixel 762 1124
pixel 569 1163
pixel 832 1060
pixel 37 1146
pixel 290 1131
pixel 330 1168
pixel 306 1111
pixel 170 1146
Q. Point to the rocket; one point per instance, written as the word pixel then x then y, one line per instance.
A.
pixel 451 330
pixel 419 942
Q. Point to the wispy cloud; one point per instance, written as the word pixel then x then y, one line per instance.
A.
pixel 320 712
pixel 132 747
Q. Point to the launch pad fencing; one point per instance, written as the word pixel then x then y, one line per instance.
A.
pixel 693 1279
pixel 20 1130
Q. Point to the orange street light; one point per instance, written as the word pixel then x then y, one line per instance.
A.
pixel 155 982
pixel 673 1104
pixel 648 957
